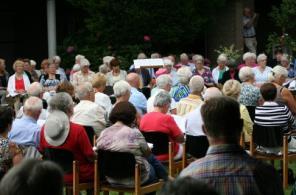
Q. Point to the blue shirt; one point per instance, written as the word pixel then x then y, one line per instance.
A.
pixel 138 100
pixel 25 131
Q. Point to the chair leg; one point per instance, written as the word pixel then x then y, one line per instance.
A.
pixel 137 180
pixel 285 163
pixel 171 160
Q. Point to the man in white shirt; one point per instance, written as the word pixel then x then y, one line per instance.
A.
pixel 88 113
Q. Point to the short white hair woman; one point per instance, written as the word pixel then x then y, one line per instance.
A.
pixel 261 71
pixel 122 91
pixel 249 60
pixel 218 72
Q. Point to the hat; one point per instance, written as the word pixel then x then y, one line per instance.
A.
pixel 56 128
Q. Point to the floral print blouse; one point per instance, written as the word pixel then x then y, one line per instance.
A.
pixel 249 95
pixel 5 155
pixel 206 75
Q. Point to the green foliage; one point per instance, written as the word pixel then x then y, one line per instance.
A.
pixel 230 52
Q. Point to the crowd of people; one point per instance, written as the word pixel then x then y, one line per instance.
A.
pixel 186 100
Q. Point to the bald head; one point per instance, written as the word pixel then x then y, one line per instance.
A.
pixel 212 92
pixel 35 89
pixel 133 79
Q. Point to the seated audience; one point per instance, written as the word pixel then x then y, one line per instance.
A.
pixel 67 87
pixel 181 90
pixel 221 68
pixel 231 73
pixel 249 60
pixel 190 103
pixel 122 136
pixel 137 98
pixel 25 131
pixel 50 80
pixel 278 77
pixel 59 133
pixel 163 123
pixel 99 84
pixel 33 177
pixel 169 67
pixel 203 71
pixel 187 186
pixel 250 94
pixel 59 70
pixel 227 167
pixel 85 75
pixel 116 74
pixel 122 91
pixel 184 62
pixel 86 112
pixel 144 74
pixel 232 88
pixel 10 153
pixel 261 71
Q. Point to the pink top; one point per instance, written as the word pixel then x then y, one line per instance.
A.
pixel 243 65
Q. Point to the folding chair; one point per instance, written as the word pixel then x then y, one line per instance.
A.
pixel 161 145
pixel 120 165
pixel 65 159
pixel 197 146
pixel 272 137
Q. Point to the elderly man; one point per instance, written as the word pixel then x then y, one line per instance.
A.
pixel 88 113
pixel 137 98
pixel 163 83
pixel 57 61
pixel 184 61
pixel 194 99
pixel 84 75
pixel 122 91
pixel 226 166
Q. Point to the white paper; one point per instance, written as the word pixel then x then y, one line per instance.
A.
pixel 181 122
pixel 158 62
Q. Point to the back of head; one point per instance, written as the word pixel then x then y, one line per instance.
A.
pixel 124 112
pixel 61 101
pixel 187 186
pixel 163 80
pixel 184 74
pixel 277 72
pixel 232 88
pixel 133 79
pixel 65 86
pixel 121 88
pixel 163 98
pixel 268 91
pixel 33 104
pixel 33 177
pixel 211 93
pixel 196 84
pixel 6 118
pixel 83 91
pixel 99 80
pixel 222 119
pixel 246 73
pixel 35 89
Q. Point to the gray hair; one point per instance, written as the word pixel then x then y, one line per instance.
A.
pixel 35 89
pixel 33 104
pixel 56 59
pixel 261 57
pixel 211 93
pixel 249 55
pixel 184 56
pixel 232 88
pixel 142 56
pixel 103 69
pixel 162 98
pixel 196 84
pixel 155 55
pixel 285 57
pixel 61 101
pixel 84 62
pixel 121 88
pixel 163 80
pixel 167 62
pixel 184 74
pixel 197 58
pixel 79 57
pixel 83 90
pixel 246 73
pixel 222 58
pixel 107 59
pixel 277 72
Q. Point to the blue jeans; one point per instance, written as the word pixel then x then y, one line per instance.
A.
pixel 157 170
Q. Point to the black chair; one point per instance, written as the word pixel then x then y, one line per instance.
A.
pixel 64 158
pixel 159 140
pixel 197 146
pixel 113 99
pixel 90 133
pixel 108 90
pixel 146 91
pixel 251 110
pixel 268 136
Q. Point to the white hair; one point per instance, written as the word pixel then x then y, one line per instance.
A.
pixel 163 80
pixel 121 88
pixel 222 58
pixel 249 55
pixel 33 62
pixel 155 55
pixel 107 59
pixel 184 74
pixel 162 98
pixel 76 67
pixel 35 89
pixel 211 93
pixel 103 68
pixel 79 57
pixel 56 59
pixel 285 57
pixel 83 90
pixel 232 88
pixel 61 101
pixel 197 58
pixel 33 104
pixel 184 56
pixel 246 73
pixel 141 56
pixel 84 62
pixel 277 72
pixel 167 62
pixel 196 84
pixel 261 57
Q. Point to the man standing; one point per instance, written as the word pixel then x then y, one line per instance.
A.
pixel 226 166
pixel 249 32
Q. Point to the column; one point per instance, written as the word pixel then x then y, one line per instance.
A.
pixel 51 28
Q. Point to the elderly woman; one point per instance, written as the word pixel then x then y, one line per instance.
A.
pixel 19 82
pixel 122 136
pixel 182 89
pixel 160 121
pixel 231 73
pixel 232 88
pixel 286 63
pixel 84 75
pixel 249 59
pixel 51 80
pixel 168 66
pixel 221 68
pixel 66 86
pixel 99 84
pixel 278 77
pixel 249 94
pixel 10 153
pixel 116 74
pixel 203 71
pixel 261 71
pixel 194 99
pixel 122 91
pixel 59 133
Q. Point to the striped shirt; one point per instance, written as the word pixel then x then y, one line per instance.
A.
pixel 272 114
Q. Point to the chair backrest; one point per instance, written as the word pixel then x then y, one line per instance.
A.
pixel 251 110
pixel 159 140
pixel 116 164
pixel 90 133
pixel 146 91
pixel 196 146
pixel 64 158
pixel 268 136
pixel 108 90
pixel 113 99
